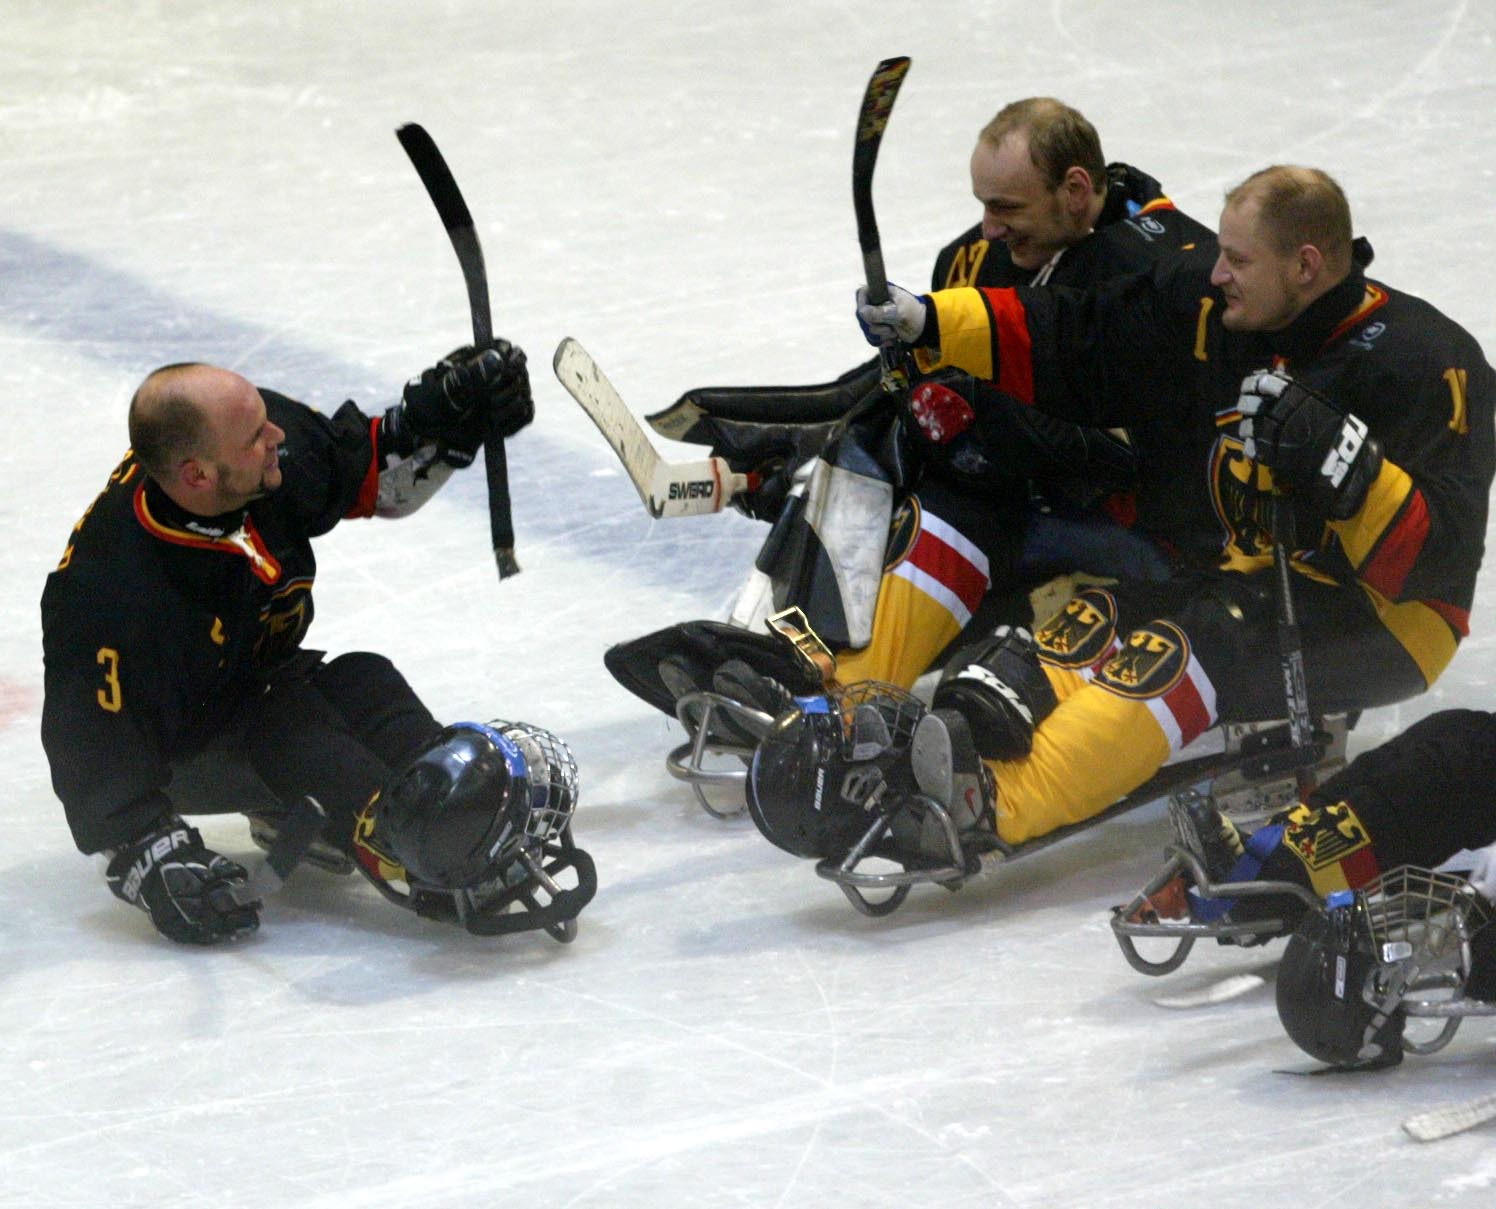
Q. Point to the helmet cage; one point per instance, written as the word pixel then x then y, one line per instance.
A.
pixel 1420 924
pixel 535 876
pixel 551 777
pixel 878 720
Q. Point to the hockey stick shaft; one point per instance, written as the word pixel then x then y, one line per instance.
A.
pixel 1290 641
pixel 872 117
pixel 456 218
pixel 667 489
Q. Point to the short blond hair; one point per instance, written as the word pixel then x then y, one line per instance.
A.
pixel 1299 206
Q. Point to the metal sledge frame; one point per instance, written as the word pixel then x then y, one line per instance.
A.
pixel 697 711
pixel 1262 763
pixel 1126 927
pixel 963 864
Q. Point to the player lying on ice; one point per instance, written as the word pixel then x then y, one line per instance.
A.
pixel 1346 873
pixel 920 521
pixel 1277 363
pixel 173 628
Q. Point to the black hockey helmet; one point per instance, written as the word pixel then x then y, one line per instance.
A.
pixel 828 768
pixel 1330 999
pixel 480 819
pixel 458 808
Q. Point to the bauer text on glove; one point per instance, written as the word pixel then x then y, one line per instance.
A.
pixel 192 894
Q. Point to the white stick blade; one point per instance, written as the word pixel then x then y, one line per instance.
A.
pixel 690 488
pixel 1451 1119
pixel 586 383
pixel 1221 991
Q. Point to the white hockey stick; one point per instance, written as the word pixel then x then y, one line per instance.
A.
pixel 1451 1119
pixel 667 488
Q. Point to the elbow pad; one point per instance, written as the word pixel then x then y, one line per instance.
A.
pixel 407 482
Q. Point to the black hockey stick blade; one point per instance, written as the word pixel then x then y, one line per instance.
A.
pixel 872 117
pixel 432 168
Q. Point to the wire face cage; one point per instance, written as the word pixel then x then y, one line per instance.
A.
pixel 876 718
pixel 553 778
pixel 1417 914
pixel 1421 924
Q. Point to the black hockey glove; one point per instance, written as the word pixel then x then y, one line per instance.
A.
pixel 451 402
pixel 1305 442
pixel 188 890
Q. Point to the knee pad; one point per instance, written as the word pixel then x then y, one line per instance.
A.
pixel 1082 633
pixel 1000 689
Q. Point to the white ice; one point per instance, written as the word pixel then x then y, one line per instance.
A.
pixel 669 183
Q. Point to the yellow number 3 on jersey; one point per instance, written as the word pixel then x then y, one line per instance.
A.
pixel 109 696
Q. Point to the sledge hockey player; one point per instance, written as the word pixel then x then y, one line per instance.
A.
pixel 1277 364
pixel 1381 827
pixel 172 632
pixel 986 497
pixel 1418 799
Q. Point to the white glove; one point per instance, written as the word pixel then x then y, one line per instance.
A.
pixel 1259 392
pixel 1482 873
pixel 901 318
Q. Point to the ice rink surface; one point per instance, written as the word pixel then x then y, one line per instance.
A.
pixel 668 183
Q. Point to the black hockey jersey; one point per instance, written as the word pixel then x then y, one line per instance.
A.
pixel 1138 227
pixel 158 624
pixel 1149 351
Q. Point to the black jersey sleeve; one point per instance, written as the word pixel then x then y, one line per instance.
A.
pixel 1428 397
pixel 328 463
pixel 1099 357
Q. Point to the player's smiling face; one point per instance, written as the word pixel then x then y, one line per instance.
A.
pixel 1018 206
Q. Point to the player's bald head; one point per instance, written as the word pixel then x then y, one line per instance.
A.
pixel 173 410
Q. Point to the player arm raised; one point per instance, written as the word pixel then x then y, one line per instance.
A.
pixel 403 457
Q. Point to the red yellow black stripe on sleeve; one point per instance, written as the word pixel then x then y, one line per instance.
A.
pixel 980 329
pixel 368 490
